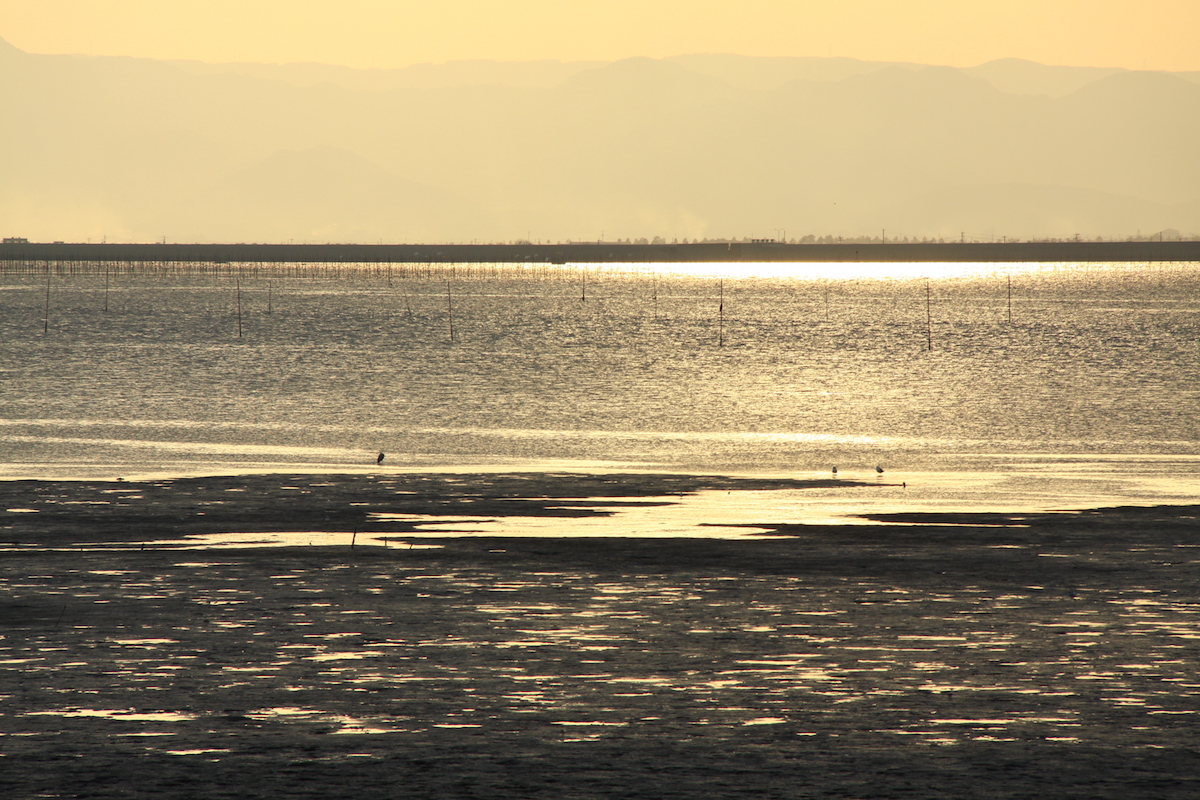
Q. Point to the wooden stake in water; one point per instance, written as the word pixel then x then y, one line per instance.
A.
pixel 106 288
pixel 46 313
pixel 238 283
pixel 268 297
pixel 450 310
pixel 721 318
pixel 583 297
pixel 928 317
pixel 1010 299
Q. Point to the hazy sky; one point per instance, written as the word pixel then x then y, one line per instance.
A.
pixel 1136 34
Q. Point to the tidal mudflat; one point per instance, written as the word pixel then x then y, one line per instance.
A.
pixel 1048 655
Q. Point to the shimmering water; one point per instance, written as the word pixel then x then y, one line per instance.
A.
pixel 1090 392
pixel 396 650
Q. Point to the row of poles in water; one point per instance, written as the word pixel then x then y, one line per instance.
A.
pixel 238 302
pixel 583 298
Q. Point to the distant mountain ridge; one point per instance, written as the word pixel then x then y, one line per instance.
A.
pixel 691 146
pixel 760 73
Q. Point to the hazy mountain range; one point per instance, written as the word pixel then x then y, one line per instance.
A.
pixel 693 146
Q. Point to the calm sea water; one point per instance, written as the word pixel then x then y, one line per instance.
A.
pixel 1091 393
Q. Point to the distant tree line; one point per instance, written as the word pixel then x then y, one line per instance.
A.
pixel 1166 235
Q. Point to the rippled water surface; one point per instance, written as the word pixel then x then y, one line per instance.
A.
pixel 1094 379
pixel 947 660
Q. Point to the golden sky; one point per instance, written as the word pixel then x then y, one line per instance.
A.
pixel 1136 34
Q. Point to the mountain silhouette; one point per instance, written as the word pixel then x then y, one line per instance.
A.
pixel 695 146
pixel 323 194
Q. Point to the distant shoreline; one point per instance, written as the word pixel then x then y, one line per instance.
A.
pixel 605 252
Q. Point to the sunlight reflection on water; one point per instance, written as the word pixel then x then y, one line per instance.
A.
pixel 827 270
pixel 776 368
pixel 742 514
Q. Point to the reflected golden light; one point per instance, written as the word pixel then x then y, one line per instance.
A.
pixel 825 270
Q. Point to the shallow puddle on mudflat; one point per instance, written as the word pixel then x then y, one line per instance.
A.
pixel 235 540
pixel 125 715
pixel 396 647
pixel 342 724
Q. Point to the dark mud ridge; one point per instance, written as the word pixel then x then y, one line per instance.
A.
pixel 973 656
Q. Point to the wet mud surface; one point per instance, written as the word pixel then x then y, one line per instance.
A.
pixel 973 656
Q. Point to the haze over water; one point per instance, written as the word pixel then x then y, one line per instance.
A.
pixel 1088 395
